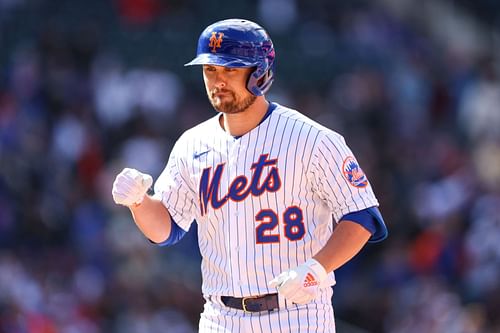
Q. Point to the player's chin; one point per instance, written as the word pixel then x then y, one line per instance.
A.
pixel 228 108
pixel 217 103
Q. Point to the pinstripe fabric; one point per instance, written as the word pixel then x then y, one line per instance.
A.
pixel 216 180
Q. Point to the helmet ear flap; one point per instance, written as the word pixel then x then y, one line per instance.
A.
pixel 260 84
pixel 260 80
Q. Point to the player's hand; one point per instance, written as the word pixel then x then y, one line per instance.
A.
pixel 300 285
pixel 130 186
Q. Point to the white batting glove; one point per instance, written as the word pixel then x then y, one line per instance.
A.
pixel 300 285
pixel 130 186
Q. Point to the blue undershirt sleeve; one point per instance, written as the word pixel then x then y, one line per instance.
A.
pixel 176 234
pixel 371 220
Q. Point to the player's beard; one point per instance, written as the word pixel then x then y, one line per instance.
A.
pixel 230 103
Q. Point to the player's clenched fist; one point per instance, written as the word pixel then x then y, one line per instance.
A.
pixel 130 186
pixel 300 285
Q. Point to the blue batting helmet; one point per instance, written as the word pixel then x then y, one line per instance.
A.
pixel 238 43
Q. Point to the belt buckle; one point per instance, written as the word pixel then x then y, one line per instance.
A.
pixel 243 300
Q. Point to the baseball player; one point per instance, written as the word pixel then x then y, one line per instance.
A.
pixel 280 201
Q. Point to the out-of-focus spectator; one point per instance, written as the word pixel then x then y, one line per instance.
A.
pixel 120 94
pixel 139 12
pixel 479 114
pixel 277 23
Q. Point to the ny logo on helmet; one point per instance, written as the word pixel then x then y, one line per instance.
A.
pixel 215 41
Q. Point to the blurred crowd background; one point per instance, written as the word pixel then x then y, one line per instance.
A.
pixel 89 87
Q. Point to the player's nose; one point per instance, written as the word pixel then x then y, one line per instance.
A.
pixel 220 81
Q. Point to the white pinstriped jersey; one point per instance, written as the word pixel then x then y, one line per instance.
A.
pixel 264 202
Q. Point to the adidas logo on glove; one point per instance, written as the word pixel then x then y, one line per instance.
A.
pixel 310 281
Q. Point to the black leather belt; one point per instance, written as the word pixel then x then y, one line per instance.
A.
pixel 267 302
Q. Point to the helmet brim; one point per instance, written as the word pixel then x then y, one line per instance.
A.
pixel 221 60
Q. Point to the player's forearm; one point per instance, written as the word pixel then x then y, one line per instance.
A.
pixel 347 240
pixel 153 219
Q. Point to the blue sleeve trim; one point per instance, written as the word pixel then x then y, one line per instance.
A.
pixel 176 234
pixel 372 220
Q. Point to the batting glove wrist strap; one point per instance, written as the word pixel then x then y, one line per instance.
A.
pixel 318 269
